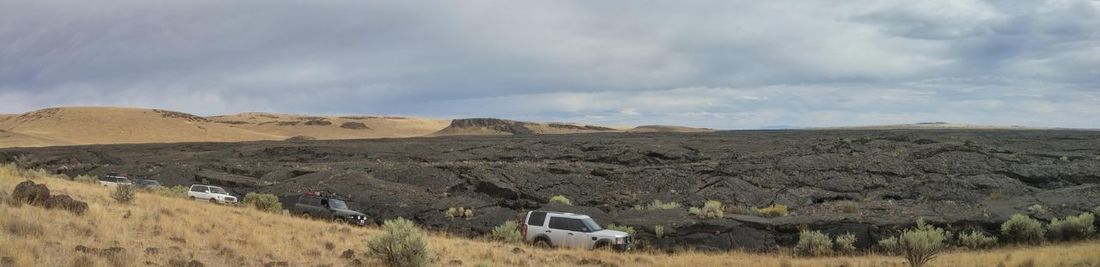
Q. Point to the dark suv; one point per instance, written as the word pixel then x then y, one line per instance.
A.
pixel 315 205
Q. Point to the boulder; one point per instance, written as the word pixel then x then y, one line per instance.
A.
pixel 68 203
pixel 31 193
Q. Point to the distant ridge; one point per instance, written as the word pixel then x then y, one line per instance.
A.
pixel 119 125
pixel 492 126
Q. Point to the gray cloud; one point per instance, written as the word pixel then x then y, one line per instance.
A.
pixel 722 64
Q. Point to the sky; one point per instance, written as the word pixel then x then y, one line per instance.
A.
pixel 720 64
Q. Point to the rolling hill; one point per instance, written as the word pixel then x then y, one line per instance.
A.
pixel 115 125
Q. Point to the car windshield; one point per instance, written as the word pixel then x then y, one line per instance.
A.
pixel 592 225
pixel 337 204
pixel 217 190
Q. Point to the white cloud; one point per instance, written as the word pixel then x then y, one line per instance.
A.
pixel 721 64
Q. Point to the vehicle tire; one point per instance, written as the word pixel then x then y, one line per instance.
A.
pixel 602 244
pixel 339 220
pixel 542 242
pixel 215 201
pixel 306 215
pixel 192 198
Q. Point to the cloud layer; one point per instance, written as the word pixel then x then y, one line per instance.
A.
pixel 719 64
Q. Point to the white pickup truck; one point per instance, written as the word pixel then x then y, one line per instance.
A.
pixel 558 229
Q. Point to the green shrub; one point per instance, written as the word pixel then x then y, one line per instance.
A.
pixel 459 212
pixel 845 244
pixel 1096 211
pixel 775 210
pixel 561 199
pixel 711 209
pixel 813 243
pixel 627 229
pixel 401 245
pixel 1038 209
pixel 123 193
pixel 263 202
pixel 174 191
pixel 659 230
pixel 922 244
pixel 889 245
pixel 507 232
pixel 658 205
pixel 87 179
pixel 1022 229
pixel 977 240
pixel 1073 227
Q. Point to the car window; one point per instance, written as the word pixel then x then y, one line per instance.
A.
pixel 198 189
pixel 537 218
pixel 559 223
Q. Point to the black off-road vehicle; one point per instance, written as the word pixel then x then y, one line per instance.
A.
pixel 316 205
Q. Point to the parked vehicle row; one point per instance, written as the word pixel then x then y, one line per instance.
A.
pixel 543 228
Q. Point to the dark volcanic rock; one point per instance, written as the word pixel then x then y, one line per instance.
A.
pixel 354 125
pixel 31 193
pixel 865 182
pixel 68 203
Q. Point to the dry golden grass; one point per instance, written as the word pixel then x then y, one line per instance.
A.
pixel 215 235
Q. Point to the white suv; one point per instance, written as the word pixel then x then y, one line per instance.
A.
pixel 557 229
pixel 211 193
pixel 114 180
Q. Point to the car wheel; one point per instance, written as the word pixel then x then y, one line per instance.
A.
pixel 542 242
pixel 192 198
pixel 306 215
pixel 215 201
pixel 340 220
pixel 601 245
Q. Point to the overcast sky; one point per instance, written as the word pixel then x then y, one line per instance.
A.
pixel 719 64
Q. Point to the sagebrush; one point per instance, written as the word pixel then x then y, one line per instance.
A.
pixel 561 199
pixel 922 244
pixel 977 240
pixel 1073 227
pixel 123 193
pixel 845 244
pixel 813 243
pixel 174 191
pixel 507 232
pixel 711 209
pixel 658 205
pixel 623 228
pixel 400 245
pixel 263 202
pixel 1022 229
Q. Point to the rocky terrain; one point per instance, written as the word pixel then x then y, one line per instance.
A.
pixel 865 182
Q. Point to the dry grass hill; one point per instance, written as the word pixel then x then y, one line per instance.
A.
pixel 156 230
pixel 101 125
pixel 331 127
pixel 113 125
